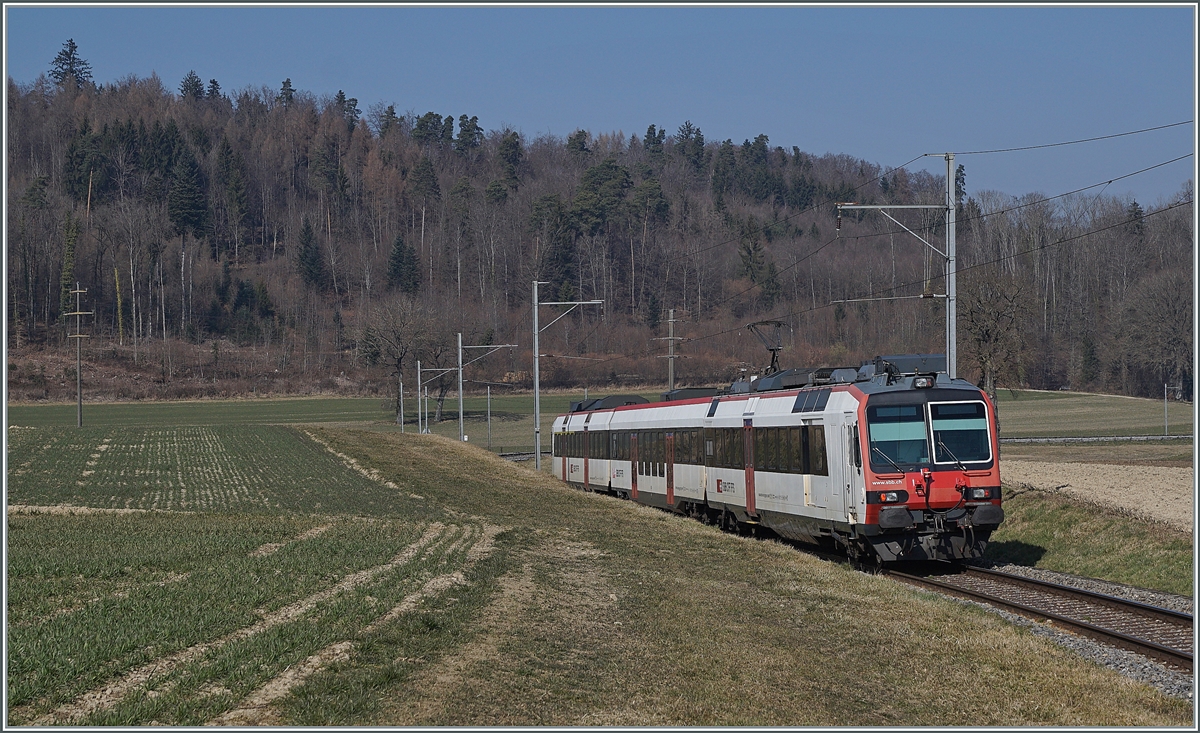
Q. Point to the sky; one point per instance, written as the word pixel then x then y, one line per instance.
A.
pixel 885 84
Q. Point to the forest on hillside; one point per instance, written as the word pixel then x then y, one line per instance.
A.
pixel 308 237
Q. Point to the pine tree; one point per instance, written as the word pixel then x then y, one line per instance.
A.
pixel 186 205
pixel 310 262
pixel 388 120
pixel 191 86
pixel 214 89
pixel 402 270
pixel 286 92
pixel 427 129
pixel 577 143
pixel 470 135
pixel 68 65
pixel 689 141
pixel 423 182
pixel 510 154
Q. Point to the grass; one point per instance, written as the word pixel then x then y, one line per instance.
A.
pixel 587 611
pixel 581 610
pixel 1029 413
pixel 1171 453
pixel 1047 531
pixel 237 468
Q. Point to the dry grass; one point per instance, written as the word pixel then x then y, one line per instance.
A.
pixel 606 613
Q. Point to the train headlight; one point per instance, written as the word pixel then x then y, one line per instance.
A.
pixel 887 497
pixel 923 382
pixel 981 494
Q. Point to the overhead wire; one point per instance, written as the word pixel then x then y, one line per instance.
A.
pixel 1068 142
pixel 1105 184
pixel 968 268
pixel 651 351
pixel 864 236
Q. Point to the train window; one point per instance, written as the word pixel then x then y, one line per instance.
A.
pixel 818 463
pixel 739 448
pixel 960 432
pixel 784 454
pixel 796 443
pixel 822 399
pixel 856 451
pixel 767 459
pixel 897 436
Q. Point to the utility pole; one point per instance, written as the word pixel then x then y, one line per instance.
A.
pixel 950 256
pixel 670 339
pixel 494 348
pixel 79 335
pixel 419 430
pixel 537 389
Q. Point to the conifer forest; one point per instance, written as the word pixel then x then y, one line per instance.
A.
pixel 269 238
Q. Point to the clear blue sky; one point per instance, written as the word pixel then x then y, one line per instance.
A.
pixel 880 83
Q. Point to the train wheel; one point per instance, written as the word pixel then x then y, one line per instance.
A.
pixel 730 523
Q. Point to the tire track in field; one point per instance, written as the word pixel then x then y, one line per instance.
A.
pixel 354 465
pixel 112 693
pixel 258 708
pixel 272 547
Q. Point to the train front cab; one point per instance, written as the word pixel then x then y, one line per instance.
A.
pixel 932 482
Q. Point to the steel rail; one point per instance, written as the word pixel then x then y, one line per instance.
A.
pixel 1172 656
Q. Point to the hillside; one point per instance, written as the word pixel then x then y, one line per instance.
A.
pixel 236 236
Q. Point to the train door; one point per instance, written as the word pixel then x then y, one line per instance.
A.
pixel 854 483
pixel 852 475
pixel 707 449
pixel 836 440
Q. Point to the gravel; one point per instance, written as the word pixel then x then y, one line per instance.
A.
pixel 1134 666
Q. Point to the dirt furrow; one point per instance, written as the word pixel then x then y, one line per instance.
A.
pixel 116 690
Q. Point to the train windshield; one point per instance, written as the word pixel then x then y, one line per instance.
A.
pixel 898 436
pixel 960 432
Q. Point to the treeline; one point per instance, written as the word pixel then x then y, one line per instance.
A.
pixel 331 238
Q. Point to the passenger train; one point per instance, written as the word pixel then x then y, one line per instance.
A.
pixel 893 461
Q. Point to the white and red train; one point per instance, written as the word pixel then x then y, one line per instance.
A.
pixel 893 461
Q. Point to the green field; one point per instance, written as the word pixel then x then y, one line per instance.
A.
pixel 1022 413
pixel 350 579
pixel 512 415
pixel 299 562
pixel 1028 414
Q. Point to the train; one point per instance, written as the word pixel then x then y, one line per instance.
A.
pixel 889 462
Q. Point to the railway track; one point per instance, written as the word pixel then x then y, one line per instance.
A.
pixel 1159 633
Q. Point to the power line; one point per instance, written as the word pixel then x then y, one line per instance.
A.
pixel 969 152
pixel 1070 142
pixel 1029 203
pixel 964 269
pixel 652 351
pixel 968 219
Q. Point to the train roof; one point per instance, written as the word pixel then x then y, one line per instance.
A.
pixel 883 374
